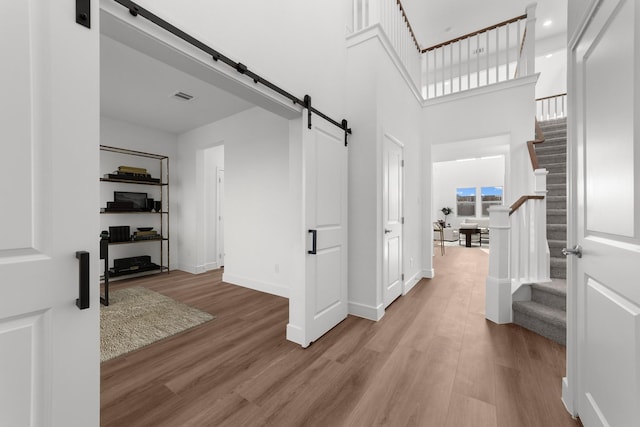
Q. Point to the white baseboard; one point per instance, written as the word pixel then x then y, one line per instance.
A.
pixel 366 311
pixel 428 274
pixel 188 268
pixel 295 334
pixel 211 266
pixel 409 284
pixel 269 288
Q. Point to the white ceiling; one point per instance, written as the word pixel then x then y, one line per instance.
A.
pixel 436 21
pixel 137 88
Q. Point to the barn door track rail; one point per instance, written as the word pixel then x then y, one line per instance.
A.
pixel 137 10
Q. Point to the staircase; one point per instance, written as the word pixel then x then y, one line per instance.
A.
pixel 545 313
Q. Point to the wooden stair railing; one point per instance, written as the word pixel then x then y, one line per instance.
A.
pixel 534 163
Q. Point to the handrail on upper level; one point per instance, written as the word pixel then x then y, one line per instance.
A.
pixel 406 19
pixel 484 30
pixel 530 146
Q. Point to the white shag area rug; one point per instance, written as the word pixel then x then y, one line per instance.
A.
pixel 138 316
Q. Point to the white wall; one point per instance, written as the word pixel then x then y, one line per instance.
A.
pixel 257 231
pixel 553 74
pixel 297 44
pixel 448 176
pixel 379 103
pixel 213 162
pixel 117 133
pixel 485 113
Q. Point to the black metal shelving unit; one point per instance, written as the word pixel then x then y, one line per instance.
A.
pixel 163 214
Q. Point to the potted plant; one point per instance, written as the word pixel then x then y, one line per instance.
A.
pixel 446 211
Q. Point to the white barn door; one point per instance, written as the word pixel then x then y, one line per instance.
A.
pixel 604 349
pixel 320 303
pixel 49 117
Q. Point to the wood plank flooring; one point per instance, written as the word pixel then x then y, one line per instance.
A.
pixel 433 360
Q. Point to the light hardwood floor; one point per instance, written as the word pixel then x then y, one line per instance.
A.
pixel 433 360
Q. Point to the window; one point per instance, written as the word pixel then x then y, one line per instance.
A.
pixel 466 201
pixel 490 196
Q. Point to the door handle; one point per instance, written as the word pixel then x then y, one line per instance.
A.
pixel 314 240
pixel 577 251
pixel 83 301
pixel 386 231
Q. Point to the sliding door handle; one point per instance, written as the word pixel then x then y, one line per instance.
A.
pixel 83 301
pixel 314 241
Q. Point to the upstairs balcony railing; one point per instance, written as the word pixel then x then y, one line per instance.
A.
pixel 551 107
pixel 498 53
pixel 391 17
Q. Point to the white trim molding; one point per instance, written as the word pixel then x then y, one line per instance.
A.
pixel 366 311
pixel 269 288
pixel 409 284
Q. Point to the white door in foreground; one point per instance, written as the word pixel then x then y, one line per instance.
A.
pixel 49 116
pixel 605 280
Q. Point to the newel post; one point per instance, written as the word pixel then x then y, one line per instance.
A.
pixel 498 285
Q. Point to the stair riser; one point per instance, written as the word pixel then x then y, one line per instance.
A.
pixel 557 179
pixel 549 150
pixel 556 252
pixel 560 168
pixel 556 205
pixel 556 191
pixel 557 235
pixel 552 332
pixel 549 299
pixel 556 219
pixel 558 273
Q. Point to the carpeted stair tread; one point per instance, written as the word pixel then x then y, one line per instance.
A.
pixel 546 321
pixel 556 189
pixel 556 246
pixel 548 314
pixel 555 286
pixel 544 149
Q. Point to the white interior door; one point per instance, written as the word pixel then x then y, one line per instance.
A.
pixel 325 190
pixel 220 211
pixel 605 351
pixel 392 203
pixel 49 116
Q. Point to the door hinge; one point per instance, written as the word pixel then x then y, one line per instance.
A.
pixel 401 163
pixel 402 276
pixel 402 220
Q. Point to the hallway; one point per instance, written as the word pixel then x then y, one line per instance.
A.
pixel 433 360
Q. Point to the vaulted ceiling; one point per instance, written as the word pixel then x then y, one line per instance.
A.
pixel 436 21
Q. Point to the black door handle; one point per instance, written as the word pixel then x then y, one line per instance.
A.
pixel 83 301
pixel 314 238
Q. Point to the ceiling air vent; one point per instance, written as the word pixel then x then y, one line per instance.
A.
pixel 181 96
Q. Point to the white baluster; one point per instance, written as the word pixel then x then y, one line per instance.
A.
pixel 486 54
pixel 497 55
pixel 508 49
pixel 478 60
pixel 451 68
pixel 459 43
pixel 468 63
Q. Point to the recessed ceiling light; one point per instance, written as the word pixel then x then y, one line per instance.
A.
pixel 549 55
pixel 547 23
